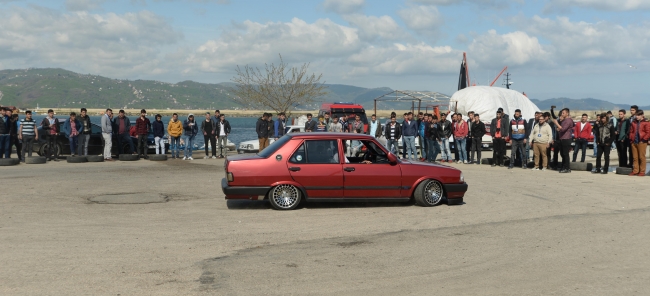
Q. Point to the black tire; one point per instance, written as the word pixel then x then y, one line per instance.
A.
pixel 129 157
pixel 57 151
pixel 623 171
pixel 531 165
pixel 487 161
pixel 76 159
pixel 35 160
pixel 581 166
pixel 158 157
pixel 428 193
pixel 95 158
pixel 9 161
pixel 285 197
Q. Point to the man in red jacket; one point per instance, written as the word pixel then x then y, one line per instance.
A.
pixel 639 136
pixel 581 132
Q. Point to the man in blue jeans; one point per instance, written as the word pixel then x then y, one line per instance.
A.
pixel 409 132
pixel 5 138
pixel 190 130
pixel 444 132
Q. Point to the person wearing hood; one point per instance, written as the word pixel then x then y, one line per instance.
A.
pixel 142 127
pixel 175 131
pixel 262 127
pixel 71 128
pixel 158 134
pixel 191 129
pixel 208 127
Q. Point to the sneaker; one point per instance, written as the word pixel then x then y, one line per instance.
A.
pixel 535 169
pixel 206 157
pixel 213 156
pixel 173 156
pixel 478 163
pixel 190 158
pixel 543 169
pixel 465 162
pixel 184 157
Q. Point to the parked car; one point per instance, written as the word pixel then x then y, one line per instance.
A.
pixel 253 146
pixel 313 167
pixel 95 144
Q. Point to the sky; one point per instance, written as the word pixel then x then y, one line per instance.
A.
pixel 556 48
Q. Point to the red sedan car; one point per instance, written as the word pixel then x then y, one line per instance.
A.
pixel 313 167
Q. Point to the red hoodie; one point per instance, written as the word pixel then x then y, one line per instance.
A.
pixel 585 133
pixel 460 130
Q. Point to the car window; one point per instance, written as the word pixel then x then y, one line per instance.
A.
pixel 268 151
pixel 316 152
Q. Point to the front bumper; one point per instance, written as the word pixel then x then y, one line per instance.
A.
pixel 243 192
pixel 456 191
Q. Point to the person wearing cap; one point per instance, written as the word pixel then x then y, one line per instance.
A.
pixel 50 125
pixel 639 135
pixel 158 128
pixel 499 132
pixel 142 127
pixel 122 128
pixel 191 129
pixel 107 134
pixel 208 128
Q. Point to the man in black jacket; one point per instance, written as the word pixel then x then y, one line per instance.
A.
pixel 499 131
pixel 393 132
pixel 223 130
pixel 477 131
pixel 606 136
pixel 444 132
pixel 122 129
pixel 86 130
pixel 310 125
pixel 261 128
pixel 51 126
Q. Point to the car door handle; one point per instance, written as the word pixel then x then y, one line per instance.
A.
pixel 349 169
pixel 294 169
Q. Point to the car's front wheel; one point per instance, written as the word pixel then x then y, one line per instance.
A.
pixel 284 197
pixel 428 193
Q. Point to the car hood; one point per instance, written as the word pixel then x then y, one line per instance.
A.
pixel 242 157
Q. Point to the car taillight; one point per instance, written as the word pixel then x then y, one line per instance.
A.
pixel 230 177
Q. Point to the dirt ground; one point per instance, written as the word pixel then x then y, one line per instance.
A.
pixel 520 232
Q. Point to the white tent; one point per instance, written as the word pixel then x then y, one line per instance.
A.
pixel 485 101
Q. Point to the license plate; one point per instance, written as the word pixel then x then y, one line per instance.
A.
pixel 152 146
pixel 486 145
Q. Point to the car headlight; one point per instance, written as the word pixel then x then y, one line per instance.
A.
pixel 250 146
pixel 462 178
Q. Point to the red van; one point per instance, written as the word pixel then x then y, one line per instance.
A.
pixel 345 110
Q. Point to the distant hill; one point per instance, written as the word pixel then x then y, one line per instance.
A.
pixel 59 88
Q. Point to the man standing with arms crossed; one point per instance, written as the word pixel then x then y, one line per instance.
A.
pixel 107 134
pixel 622 141
pixel 499 132
pixel 27 133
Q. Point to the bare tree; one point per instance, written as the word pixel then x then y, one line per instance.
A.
pixel 277 87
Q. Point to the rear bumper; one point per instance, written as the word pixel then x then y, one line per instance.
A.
pixel 455 190
pixel 243 192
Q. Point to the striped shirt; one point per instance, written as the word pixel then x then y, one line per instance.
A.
pixel 28 126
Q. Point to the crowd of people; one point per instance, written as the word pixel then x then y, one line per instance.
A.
pixel 23 134
pixel 549 136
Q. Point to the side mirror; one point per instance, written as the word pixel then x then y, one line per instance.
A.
pixel 392 159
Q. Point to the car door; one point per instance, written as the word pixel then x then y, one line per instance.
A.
pixel 316 166
pixel 96 141
pixel 375 180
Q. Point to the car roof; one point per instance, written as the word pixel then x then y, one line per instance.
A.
pixel 328 135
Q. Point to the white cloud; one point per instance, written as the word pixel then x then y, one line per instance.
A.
pixel 343 6
pixel 609 5
pixel 422 19
pixel 512 49
pixel 480 3
pixel 109 44
pixel 405 59
pixel 372 27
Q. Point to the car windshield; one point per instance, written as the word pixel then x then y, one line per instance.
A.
pixel 268 151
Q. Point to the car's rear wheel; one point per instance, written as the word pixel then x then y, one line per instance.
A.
pixel 285 197
pixel 428 193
